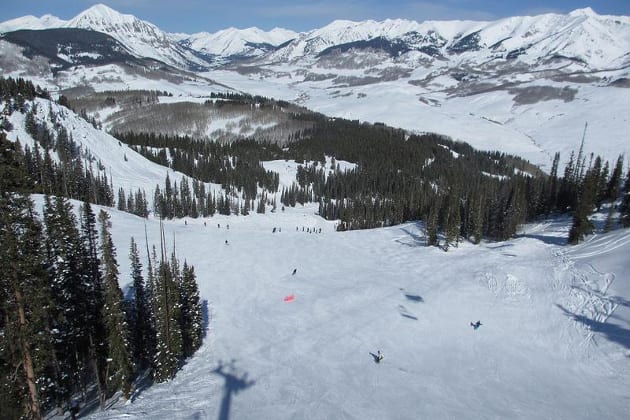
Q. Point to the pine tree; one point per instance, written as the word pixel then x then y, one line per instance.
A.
pixel 25 350
pixel 119 363
pixel 432 222
pixel 452 221
pixel 625 203
pixel 68 284
pixel 191 318
pixel 614 183
pixel 582 226
pixel 94 299
pixel 167 315
pixel 143 333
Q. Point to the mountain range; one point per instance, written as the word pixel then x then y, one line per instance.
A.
pixel 582 36
pixel 525 85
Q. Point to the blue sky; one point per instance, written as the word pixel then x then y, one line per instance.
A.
pixel 191 16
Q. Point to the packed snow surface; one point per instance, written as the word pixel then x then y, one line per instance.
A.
pixel 554 340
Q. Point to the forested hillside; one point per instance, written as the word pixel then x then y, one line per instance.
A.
pixel 66 330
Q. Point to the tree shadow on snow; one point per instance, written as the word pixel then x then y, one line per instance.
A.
pixel 501 246
pixel 548 239
pixel 234 383
pixel 611 332
pixel 417 240
pixel 618 300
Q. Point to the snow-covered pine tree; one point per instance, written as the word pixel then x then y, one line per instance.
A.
pixel 191 319
pixel 614 183
pixel 68 314
pixel 167 314
pixel 143 334
pixel 119 363
pixel 625 203
pixel 25 350
pixel 582 226
pixel 95 300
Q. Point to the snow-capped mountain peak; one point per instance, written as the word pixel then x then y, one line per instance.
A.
pixel 123 27
pixel 31 22
pixel 101 11
pixel 242 42
pixel 586 11
pixel 142 38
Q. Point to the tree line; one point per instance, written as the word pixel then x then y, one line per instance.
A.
pixel 459 192
pixel 234 165
pixel 74 174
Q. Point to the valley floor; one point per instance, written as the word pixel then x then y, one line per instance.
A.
pixel 554 340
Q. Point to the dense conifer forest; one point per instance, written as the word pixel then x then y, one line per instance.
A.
pixel 459 192
pixel 66 331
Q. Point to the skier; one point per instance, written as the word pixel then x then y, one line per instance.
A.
pixel 379 356
pixel 294 271
pixel 476 325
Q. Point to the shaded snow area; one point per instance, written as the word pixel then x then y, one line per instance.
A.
pixel 554 340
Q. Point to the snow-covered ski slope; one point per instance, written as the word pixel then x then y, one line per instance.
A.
pixel 554 343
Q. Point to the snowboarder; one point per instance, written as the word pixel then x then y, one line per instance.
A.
pixel 294 271
pixel 476 325
pixel 379 356
pixel 226 242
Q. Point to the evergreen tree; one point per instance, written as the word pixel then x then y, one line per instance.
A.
pixel 94 300
pixel 143 333
pixel 119 361
pixel 432 222
pixel 452 222
pixel 25 350
pixel 582 226
pixel 167 315
pixel 191 313
pixel 68 314
pixel 614 183
pixel 625 203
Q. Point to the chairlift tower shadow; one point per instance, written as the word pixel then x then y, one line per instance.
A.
pixel 233 384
